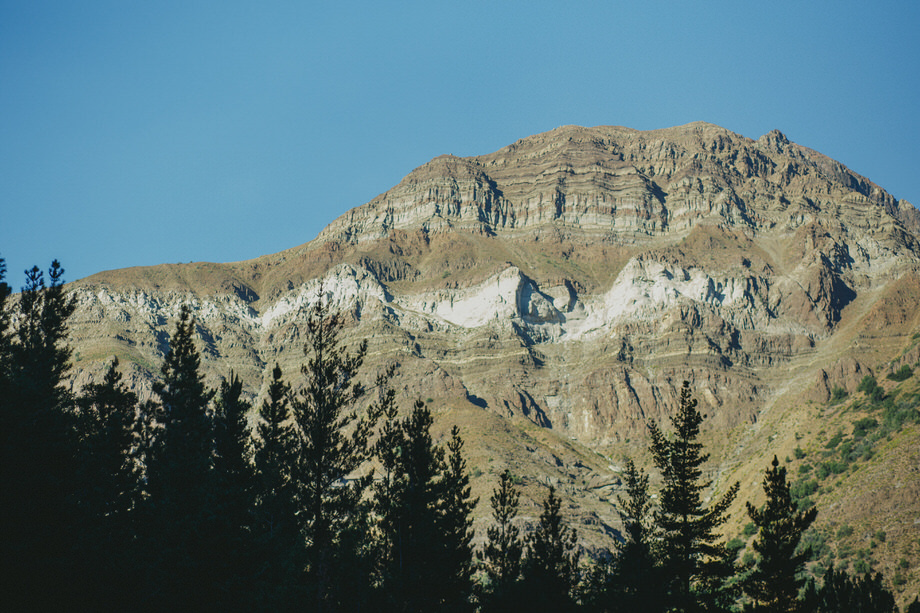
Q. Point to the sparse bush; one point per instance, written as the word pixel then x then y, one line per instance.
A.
pixel 862 567
pixel 734 546
pixel 799 454
pixel 804 503
pixel 838 394
pixel 801 489
pixel 835 440
pixel 816 543
pixel 750 529
pixel 871 388
pixel 902 374
pixel 862 427
pixel 831 467
pixel 880 536
pixel 897 414
pixel 867 385
pixel 844 531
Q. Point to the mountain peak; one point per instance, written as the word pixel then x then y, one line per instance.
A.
pixel 551 296
pixel 610 179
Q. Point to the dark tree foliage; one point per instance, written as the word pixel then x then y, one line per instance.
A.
pixel 333 444
pixel 456 527
pixel 181 528
pixel 37 534
pixel 179 462
pixel 40 354
pixel 389 494
pixel 275 453
pixel 108 490
pixel 232 498
pixel 694 564
pixel 550 570
pixel 234 473
pixel 407 500
pixel 774 583
pixel 630 581
pixel 422 508
pixel 109 473
pixel 841 593
pixel 5 341
pixel 504 548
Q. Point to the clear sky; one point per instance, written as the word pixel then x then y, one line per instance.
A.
pixel 136 133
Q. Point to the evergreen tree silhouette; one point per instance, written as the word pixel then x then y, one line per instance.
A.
pixel 5 342
pixel 275 453
pixel 422 507
pixel 456 528
pixel 37 513
pixel 233 496
pixel 774 583
pixel 841 593
pixel 109 491
pixel 504 548
pixel 694 563
pixel 181 528
pixel 550 570
pixel 631 581
pixel 409 503
pixel 333 444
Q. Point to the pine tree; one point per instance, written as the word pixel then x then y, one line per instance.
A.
pixel 841 593
pixel 5 341
pixel 234 473
pixel 232 498
pixel 501 556
pixel 409 499
pixel 550 572
pixel 275 454
pixel 456 526
pixel 109 488
pixel 109 472
pixel 37 429
pixel 774 584
pixel 179 473
pixel 422 507
pixel 691 556
pixel 389 491
pixel 333 445
pixel 635 583
pixel 41 356
pixel 180 461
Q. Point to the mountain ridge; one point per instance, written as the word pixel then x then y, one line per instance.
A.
pixel 551 297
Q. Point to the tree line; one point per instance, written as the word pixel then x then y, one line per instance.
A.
pixel 327 497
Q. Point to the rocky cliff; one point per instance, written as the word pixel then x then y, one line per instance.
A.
pixel 552 296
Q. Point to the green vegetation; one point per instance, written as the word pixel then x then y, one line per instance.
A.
pixel 774 582
pixel 838 394
pixel 902 374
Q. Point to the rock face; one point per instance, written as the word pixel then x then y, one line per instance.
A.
pixel 552 296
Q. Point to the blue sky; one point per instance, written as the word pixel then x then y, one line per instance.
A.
pixel 136 133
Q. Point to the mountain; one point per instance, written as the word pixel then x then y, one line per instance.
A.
pixel 551 297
